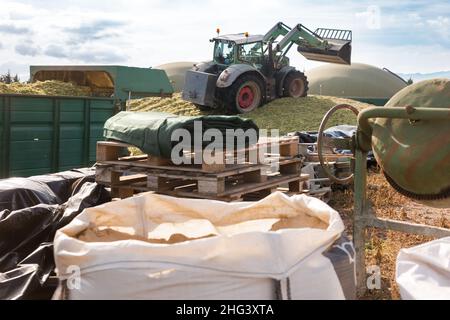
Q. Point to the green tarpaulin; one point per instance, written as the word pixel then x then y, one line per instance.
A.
pixel 152 131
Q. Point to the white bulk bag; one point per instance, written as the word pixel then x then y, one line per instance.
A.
pixel 159 247
pixel 423 272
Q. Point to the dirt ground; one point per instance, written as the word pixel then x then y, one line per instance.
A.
pixel 383 246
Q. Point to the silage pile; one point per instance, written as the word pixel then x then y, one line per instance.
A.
pixel 174 105
pixel 286 114
pixel 49 87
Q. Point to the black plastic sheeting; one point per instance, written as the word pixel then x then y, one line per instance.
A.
pixel 26 234
pixel 19 193
pixel 342 131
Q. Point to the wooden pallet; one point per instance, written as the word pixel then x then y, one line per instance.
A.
pixel 231 184
pixel 287 147
pixel 127 175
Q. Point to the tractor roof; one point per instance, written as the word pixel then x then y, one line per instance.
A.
pixel 240 38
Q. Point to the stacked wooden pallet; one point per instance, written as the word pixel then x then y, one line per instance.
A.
pixel 239 180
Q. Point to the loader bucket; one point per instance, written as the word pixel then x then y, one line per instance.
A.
pixel 340 51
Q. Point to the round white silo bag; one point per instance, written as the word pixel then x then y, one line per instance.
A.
pixel 159 247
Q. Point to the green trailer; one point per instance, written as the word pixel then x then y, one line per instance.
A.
pixel 43 134
pixel 120 82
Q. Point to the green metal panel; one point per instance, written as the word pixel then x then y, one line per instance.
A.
pixel 5 143
pixel 43 134
pixel 140 82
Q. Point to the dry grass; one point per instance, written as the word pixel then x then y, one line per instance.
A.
pixel 50 87
pixel 383 246
pixel 174 105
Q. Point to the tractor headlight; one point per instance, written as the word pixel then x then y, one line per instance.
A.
pixel 225 75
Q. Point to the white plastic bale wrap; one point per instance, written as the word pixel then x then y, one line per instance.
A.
pixel 174 248
pixel 423 272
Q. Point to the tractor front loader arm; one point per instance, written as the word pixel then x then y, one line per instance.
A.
pixel 280 29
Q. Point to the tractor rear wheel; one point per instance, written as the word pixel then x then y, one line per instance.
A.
pixel 245 94
pixel 295 85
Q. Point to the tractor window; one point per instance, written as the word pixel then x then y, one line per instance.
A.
pixel 224 52
pixel 251 53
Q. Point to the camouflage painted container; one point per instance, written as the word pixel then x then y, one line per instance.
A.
pixel 415 156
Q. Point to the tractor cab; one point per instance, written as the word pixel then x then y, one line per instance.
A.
pixel 238 48
pixel 224 52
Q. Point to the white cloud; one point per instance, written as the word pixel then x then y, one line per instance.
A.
pixel 27 49
pixel 415 19
pixel 13 29
pixel 441 25
pixel 56 51
pixel 94 30
pixel 106 55
pixel 18 15
pixel 15 10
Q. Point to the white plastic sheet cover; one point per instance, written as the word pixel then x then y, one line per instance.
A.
pixel 159 247
pixel 423 272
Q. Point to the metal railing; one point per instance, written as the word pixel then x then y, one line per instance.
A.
pixel 334 34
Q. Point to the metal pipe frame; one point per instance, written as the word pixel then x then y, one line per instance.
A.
pixel 364 217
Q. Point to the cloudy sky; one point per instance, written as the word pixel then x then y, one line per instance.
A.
pixel 404 36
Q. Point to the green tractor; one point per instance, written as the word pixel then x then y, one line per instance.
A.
pixel 249 70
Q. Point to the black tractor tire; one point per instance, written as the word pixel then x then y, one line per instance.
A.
pixel 245 94
pixel 295 85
